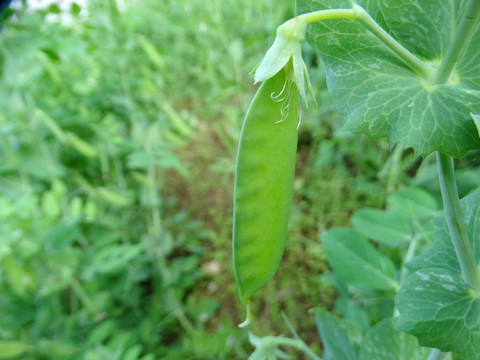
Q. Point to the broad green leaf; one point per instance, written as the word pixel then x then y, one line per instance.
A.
pixel 12 349
pixel 60 235
pixel 441 255
pixel 380 95
pixel 441 311
pixel 415 203
pixel 352 311
pixel 425 27
pixel 383 342
pixel 476 119
pixel 382 226
pixel 55 349
pixel 356 261
pixel 434 303
pixel 338 336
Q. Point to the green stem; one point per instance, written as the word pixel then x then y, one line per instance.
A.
pixel 359 14
pixel 299 345
pixel 305 347
pixel 409 256
pixel 438 355
pixel 409 58
pixel 455 221
pixel 460 40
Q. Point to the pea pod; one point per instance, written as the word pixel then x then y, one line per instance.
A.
pixel 264 182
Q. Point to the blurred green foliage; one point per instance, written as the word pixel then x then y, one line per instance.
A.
pixel 118 136
pixel 94 113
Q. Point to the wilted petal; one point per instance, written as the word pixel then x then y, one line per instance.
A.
pixel 288 42
pixel 299 71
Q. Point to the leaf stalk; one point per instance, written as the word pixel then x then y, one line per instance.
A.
pixel 358 13
pixel 455 221
pixel 460 39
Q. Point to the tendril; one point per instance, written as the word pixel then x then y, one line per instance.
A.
pixel 285 97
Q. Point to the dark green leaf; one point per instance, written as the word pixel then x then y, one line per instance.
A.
pixel 434 302
pixel 441 311
pixel 380 95
pixel 338 336
pixel 382 226
pixel 415 203
pixel 356 261
pixel 383 342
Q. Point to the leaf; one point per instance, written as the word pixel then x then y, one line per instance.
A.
pixel 382 226
pixel 60 235
pixel 380 95
pixel 415 203
pixel 338 336
pixel 112 258
pixel 383 342
pixel 434 303
pixel 12 349
pixel 440 310
pixel 425 27
pixel 441 255
pixel 57 349
pixel 356 261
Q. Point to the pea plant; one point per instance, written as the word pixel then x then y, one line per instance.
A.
pixel 407 71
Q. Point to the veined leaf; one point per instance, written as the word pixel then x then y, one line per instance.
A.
pixel 434 302
pixel 383 226
pixel 338 336
pixel 356 261
pixel 380 95
pixel 383 342
pixel 440 310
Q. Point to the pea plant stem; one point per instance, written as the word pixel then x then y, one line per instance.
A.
pixel 460 39
pixel 358 13
pixel 451 201
pixel 455 221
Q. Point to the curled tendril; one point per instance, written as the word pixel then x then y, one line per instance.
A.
pixel 285 97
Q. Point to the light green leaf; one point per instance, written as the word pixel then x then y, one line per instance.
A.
pixel 380 95
pixel 425 27
pixel 338 336
pixel 476 119
pixel 356 261
pixel 434 303
pixel 55 349
pixel 383 342
pixel 415 203
pixel 382 226
pixel 441 255
pixel 10 349
pixel 441 311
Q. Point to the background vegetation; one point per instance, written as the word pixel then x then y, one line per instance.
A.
pixel 118 136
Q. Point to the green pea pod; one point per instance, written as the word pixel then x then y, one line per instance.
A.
pixel 264 183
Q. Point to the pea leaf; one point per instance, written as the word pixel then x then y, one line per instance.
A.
pixel 441 255
pixel 11 349
pixel 338 336
pixel 356 261
pixel 415 203
pixel 380 95
pixel 385 343
pixel 434 302
pixel 439 309
pixel 383 226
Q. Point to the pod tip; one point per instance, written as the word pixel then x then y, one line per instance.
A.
pixel 247 320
